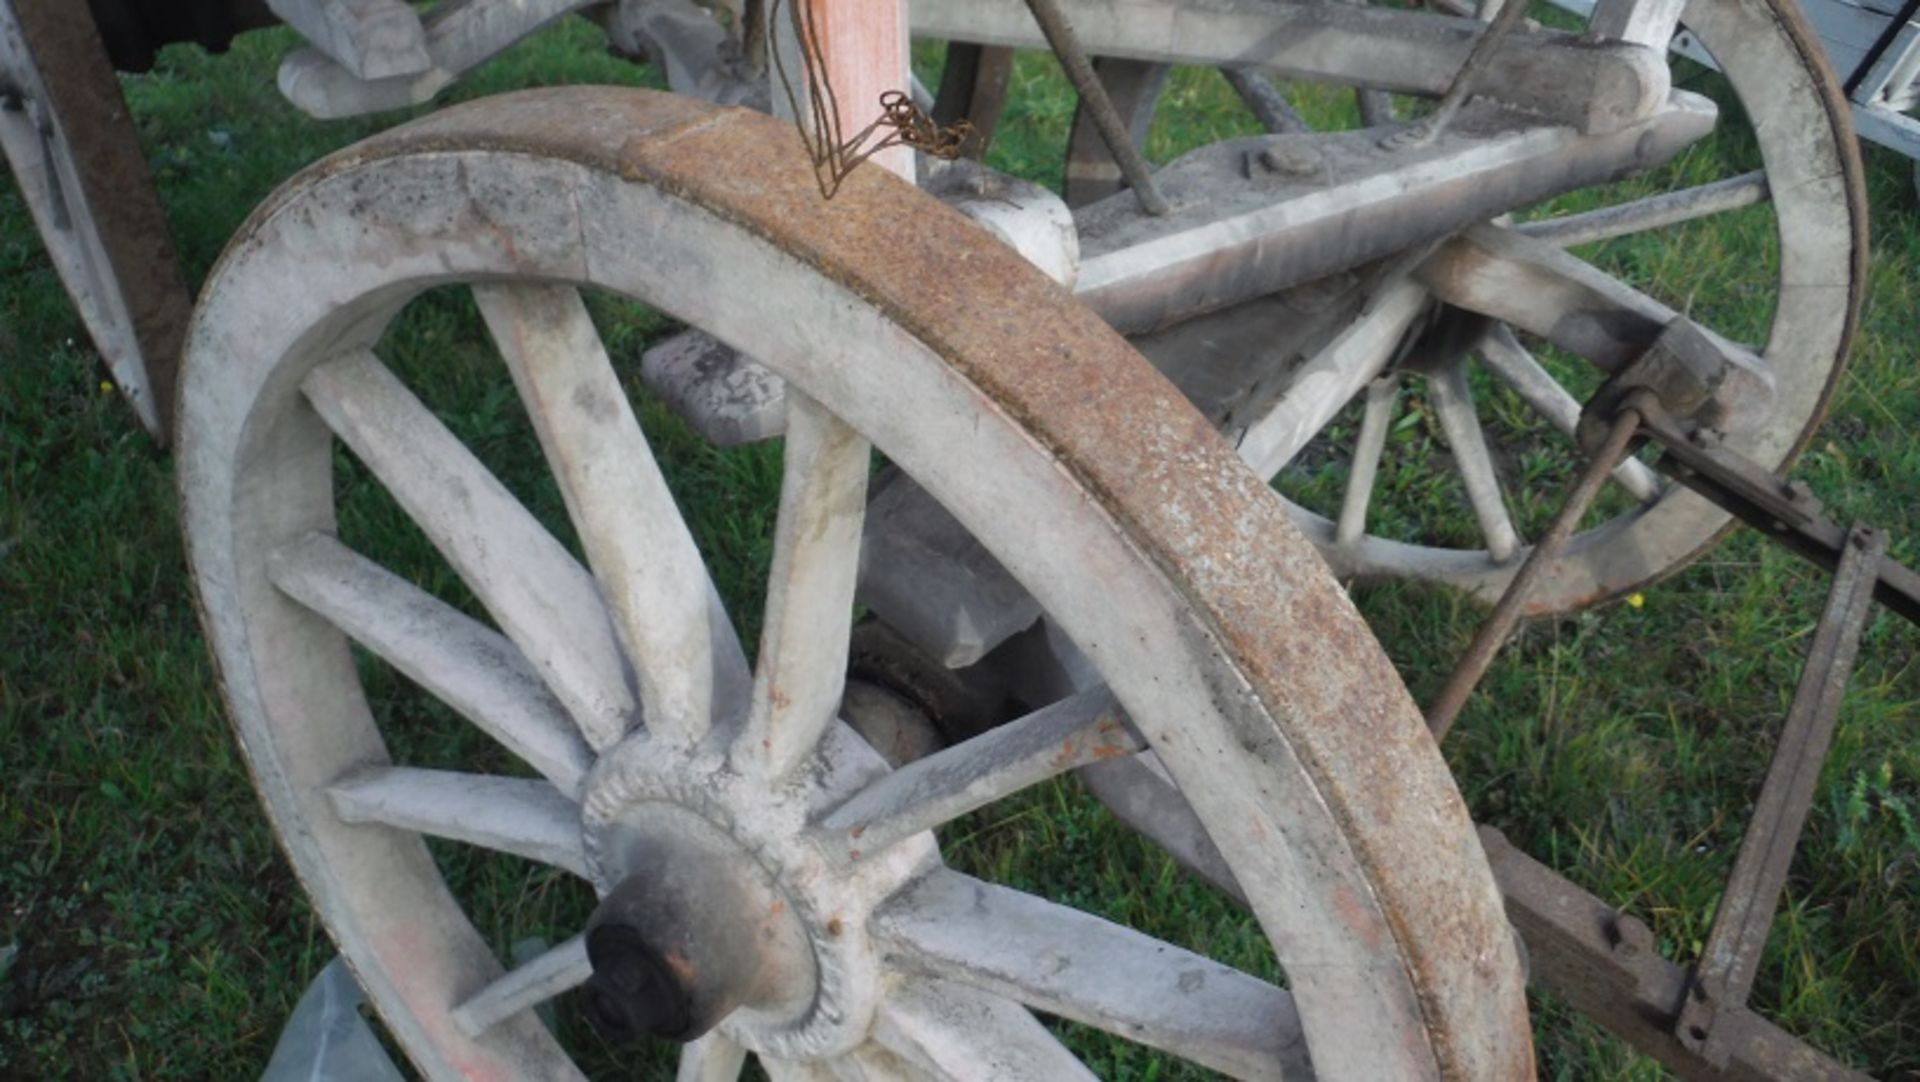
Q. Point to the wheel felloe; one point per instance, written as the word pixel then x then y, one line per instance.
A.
pixel 1114 563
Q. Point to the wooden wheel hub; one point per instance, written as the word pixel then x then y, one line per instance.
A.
pixel 717 905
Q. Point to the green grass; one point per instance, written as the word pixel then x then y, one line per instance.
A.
pixel 161 934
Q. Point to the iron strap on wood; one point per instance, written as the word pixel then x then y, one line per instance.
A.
pixel 1782 510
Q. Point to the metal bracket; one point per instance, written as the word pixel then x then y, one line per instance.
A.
pixel 1783 510
pixel 1724 975
pixel 1692 376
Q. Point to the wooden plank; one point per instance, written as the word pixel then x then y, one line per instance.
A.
pixel 522 816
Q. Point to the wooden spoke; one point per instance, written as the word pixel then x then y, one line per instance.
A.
pixel 1078 966
pixel 712 1058
pixel 1082 729
pixel 544 600
pixel 1330 379
pixel 1383 395
pixel 466 665
pixel 1652 212
pixel 1140 793
pixel 1468 442
pixel 638 545
pixel 954 1033
pixel 1517 367
pixel 871 1062
pixel 816 560
pixel 521 816
pixel 1547 292
pixel 793 1070
pixel 558 971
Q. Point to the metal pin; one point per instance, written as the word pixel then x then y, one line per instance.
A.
pixel 1506 614
pixel 1434 124
pixel 1093 93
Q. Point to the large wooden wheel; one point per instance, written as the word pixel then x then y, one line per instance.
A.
pixel 767 885
pixel 1775 253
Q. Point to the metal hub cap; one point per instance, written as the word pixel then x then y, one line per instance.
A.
pixel 717 907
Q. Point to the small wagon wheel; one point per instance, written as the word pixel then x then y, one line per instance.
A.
pixel 1803 270
pixel 1815 257
pixel 754 859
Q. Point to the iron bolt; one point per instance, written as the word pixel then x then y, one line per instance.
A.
pixel 1628 936
pixel 1288 161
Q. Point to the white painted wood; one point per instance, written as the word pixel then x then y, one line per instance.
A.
pixel 1453 402
pixel 713 1058
pixel 1652 212
pixel 1846 32
pixel 1139 792
pixel 1383 396
pixel 786 1070
pixel 871 1062
pixel 561 969
pixel 1642 22
pixel 1554 73
pixel 802 665
pixel 1329 380
pixel 373 39
pixel 932 581
pixel 466 665
pixel 1078 966
pixel 688 663
pixel 1083 728
pixel 689 45
pixel 544 601
pixel 727 398
pixel 1032 220
pixel 1890 82
pixel 36 148
pixel 1158 608
pixel 1895 131
pixel 1343 200
pixel 1539 288
pixel 460 35
pixel 521 816
pixel 1516 367
pixel 954 1033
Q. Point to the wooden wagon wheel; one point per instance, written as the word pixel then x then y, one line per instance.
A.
pixel 1807 263
pixel 67 135
pixel 724 818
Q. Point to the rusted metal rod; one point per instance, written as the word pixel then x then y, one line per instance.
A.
pixel 1269 106
pixel 1507 612
pixel 1784 511
pixel 1434 124
pixel 1093 93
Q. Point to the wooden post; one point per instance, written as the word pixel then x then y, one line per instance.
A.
pixel 866 55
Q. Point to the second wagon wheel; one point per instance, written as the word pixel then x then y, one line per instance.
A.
pixel 1806 264
pixel 766 884
pixel 1770 253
